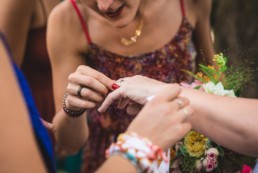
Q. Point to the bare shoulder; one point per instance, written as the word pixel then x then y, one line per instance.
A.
pixel 61 14
pixel 60 25
pixel 24 4
pixel 64 32
pixel 17 6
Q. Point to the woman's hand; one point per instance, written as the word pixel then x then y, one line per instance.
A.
pixel 135 89
pixel 164 119
pixel 47 125
pixel 86 88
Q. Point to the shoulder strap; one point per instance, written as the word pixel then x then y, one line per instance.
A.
pixel 84 26
pixel 182 5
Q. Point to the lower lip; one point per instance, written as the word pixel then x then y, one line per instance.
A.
pixel 116 14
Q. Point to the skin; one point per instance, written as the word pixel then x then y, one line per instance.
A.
pixel 18 17
pixel 68 60
pixel 15 129
pixel 161 116
pixel 167 117
pixel 230 122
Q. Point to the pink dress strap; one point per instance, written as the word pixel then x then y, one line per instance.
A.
pixel 182 5
pixel 84 26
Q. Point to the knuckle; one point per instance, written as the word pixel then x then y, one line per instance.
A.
pixel 80 68
pixel 99 76
pixel 88 80
pixel 69 88
pixel 70 77
pixel 186 101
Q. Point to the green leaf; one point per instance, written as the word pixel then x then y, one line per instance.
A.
pixel 209 70
pixel 221 151
pixel 183 150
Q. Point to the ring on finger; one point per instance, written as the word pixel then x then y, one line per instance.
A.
pixel 120 81
pixel 79 91
pixel 185 113
pixel 179 103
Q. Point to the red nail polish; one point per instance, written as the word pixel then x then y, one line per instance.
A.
pixel 115 86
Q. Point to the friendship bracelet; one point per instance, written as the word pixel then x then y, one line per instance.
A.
pixel 139 151
pixel 69 112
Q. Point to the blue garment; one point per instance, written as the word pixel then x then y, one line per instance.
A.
pixel 256 168
pixel 40 132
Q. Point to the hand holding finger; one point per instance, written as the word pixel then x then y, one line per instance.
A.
pixel 89 86
pixel 164 118
pixel 103 79
pixel 135 88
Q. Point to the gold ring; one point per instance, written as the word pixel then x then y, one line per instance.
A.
pixel 179 103
pixel 186 113
pixel 119 81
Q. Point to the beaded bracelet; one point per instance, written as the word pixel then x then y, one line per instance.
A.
pixel 69 112
pixel 139 151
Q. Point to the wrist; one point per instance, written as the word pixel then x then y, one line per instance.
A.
pixel 70 112
pixel 144 155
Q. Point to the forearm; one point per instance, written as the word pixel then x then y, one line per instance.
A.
pixel 19 147
pixel 117 164
pixel 70 133
pixel 230 122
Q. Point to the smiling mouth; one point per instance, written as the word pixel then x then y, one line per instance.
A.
pixel 115 13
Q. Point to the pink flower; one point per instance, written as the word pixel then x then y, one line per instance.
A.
pixel 212 154
pixel 194 84
pixel 246 169
pixel 209 165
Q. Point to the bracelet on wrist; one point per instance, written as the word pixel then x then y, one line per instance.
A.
pixel 144 155
pixel 70 112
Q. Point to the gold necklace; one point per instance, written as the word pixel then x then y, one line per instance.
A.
pixel 133 39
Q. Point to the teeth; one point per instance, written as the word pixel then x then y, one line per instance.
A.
pixel 114 11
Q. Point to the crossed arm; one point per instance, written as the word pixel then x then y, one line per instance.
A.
pixel 230 122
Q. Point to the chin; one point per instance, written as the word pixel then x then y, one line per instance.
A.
pixel 120 23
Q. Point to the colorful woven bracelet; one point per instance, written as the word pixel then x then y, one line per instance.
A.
pixel 139 151
pixel 69 112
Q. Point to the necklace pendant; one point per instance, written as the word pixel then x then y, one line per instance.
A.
pixel 126 41
pixel 133 39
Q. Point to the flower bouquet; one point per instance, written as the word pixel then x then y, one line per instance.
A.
pixel 197 153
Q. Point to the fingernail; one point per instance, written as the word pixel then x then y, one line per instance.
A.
pixel 115 86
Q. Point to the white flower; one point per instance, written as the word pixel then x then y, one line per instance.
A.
pixel 198 165
pixel 217 89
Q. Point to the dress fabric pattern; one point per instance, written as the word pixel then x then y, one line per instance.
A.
pixel 164 64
